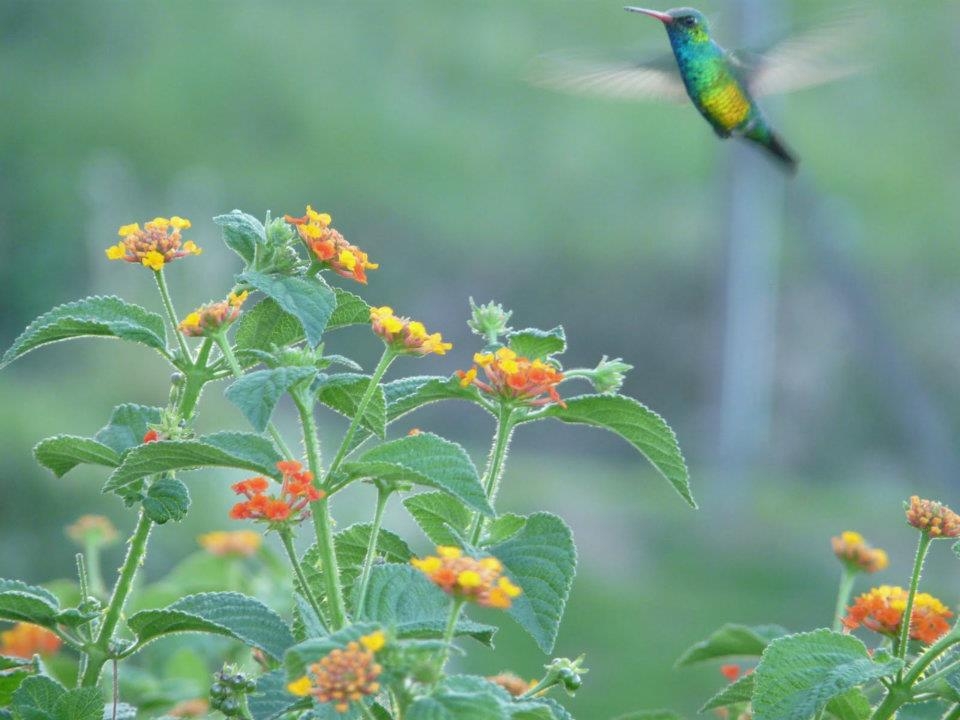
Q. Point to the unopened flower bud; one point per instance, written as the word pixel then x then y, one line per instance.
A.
pixel 489 321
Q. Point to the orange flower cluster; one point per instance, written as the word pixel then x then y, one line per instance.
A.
pixel 881 610
pixel 344 675
pixel 296 492
pixel 857 554
pixel 150 436
pixel 512 683
pixel 95 529
pixel 208 319
pixel 515 377
pixel 480 581
pixel 26 640
pixel 931 517
pixel 405 335
pixel 237 543
pixel 330 246
pixel 156 244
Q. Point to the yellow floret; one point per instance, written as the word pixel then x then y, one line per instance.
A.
pixel 300 687
pixel 153 260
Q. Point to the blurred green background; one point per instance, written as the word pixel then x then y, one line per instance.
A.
pixel 801 337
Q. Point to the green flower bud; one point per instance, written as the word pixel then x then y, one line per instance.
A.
pixel 489 321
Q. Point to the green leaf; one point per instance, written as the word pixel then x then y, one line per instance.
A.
pixel 402 597
pixel 27 603
pixel 538 344
pixel 732 640
pixel 343 392
pixel 651 715
pixel 434 511
pixel 503 527
pixel 446 704
pixel 80 704
pixel 309 300
pixel 128 424
pixel 265 326
pixel 222 613
pixel 351 310
pixel 799 674
pixel 224 449
pixel 930 710
pixel 298 657
pixel 37 698
pixel 167 499
pixel 91 317
pixel 635 423
pixel 425 459
pixel 853 705
pixel 9 682
pixel 542 559
pixel 737 692
pixel 533 710
pixel 242 233
pixel 407 394
pixel 271 700
pixel 257 393
pixel 61 453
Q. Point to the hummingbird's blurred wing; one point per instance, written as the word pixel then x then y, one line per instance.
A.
pixel 815 57
pixel 657 79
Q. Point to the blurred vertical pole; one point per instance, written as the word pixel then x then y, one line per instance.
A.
pixel 753 197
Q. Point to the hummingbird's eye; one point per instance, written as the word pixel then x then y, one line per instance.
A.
pixel 689 21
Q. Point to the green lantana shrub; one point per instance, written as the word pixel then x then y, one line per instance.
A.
pixel 359 625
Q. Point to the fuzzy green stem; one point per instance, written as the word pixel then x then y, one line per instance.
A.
pixel 929 655
pixel 234 364
pixel 286 537
pixel 904 639
pixel 843 596
pixel 388 357
pixel 93 574
pixel 322 523
pixel 171 314
pixel 494 470
pixel 135 553
pixel 896 697
pixel 196 378
pixel 383 494
pixel 449 632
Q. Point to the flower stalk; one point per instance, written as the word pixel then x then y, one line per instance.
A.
pixel 171 314
pixel 286 537
pixel 922 547
pixel 383 494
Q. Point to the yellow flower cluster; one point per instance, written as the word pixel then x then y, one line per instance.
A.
pixel 513 376
pixel 344 675
pixel 477 580
pixel 857 553
pixel 154 245
pixel 208 319
pixel 238 543
pixel 330 247
pixel 405 335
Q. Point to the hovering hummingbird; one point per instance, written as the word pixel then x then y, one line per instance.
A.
pixel 722 84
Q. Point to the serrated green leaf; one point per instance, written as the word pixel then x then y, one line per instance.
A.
pixel 736 692
pixel 532 710
pixel 503 527
pixel 80 704
pixel 542 559
pixel 257 393
pixel 298 657
pixel 128 424
pixel 225 613
pixel 407 394
pixel 853 705
pixel 95 316
pixel 9 682
pixel 351 310
pixel 242 233
pixel 27 603
pixel 538 344
pixel 37 698
pixel 799 674
pixel 226 449
pixel 930 710
pixel 267 325
pixel 167 499
pixel 635 423
pixel 403 598
pixel 271 699
pixel 434 511
pixel 424 459
pixel 124 711
pixel 448 705
pixel 310 300
pixel 732 640
pixel 343 392
pixel 61 453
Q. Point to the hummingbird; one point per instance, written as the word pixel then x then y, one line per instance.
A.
pixel 722 84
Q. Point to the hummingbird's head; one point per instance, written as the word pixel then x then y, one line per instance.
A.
pixel 684 23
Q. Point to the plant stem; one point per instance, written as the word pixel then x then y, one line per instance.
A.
pixel 953 714
pixel 494 470
pixel 931 654
pixel 895 698
pixel 843 596
pixel 449 632
pixel 227 351
pixel 388 357
pixel 135 553
pixel 286 536
pixel 383 495
pixel 196 379
pixel 904 640
pixel 171 314
pixel 322 524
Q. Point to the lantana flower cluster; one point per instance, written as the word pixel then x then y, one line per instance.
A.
pixel 155 244
pixel 405 335
pixel 477 580
pixel 515 377
pixel 25 640
pixel 344 675
pixel 933 518
pixel 881 610
pixel 292 505
pixel 235 543
pixel 211 318
pixel 851 548
pixel 330 247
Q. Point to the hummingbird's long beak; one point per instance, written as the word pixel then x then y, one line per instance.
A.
pixel 661 16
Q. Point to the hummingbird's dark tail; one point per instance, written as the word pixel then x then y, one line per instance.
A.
pixel 775 146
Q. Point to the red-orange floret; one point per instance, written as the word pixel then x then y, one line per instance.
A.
pixel 515 377
pixel 296 493
pixel 151 436
pixel 881 610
